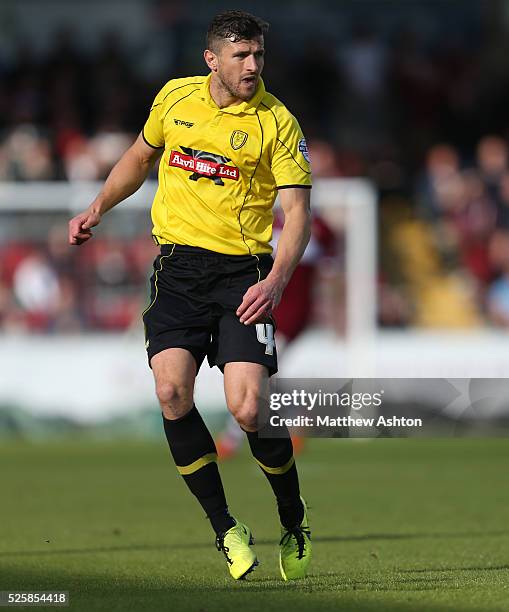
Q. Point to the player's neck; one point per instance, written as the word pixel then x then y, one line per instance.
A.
pixel 221 96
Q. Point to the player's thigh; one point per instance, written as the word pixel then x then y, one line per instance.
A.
pixel 232 341
pixel 178 316
pixel 174 374
pixel 246 387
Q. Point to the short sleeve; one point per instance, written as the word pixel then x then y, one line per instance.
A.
pixel 153 133
pixel 290 161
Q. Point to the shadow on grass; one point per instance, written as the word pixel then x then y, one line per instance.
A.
pixel 206 544
pixel 342 583
pixel 329 591
pixel 486 568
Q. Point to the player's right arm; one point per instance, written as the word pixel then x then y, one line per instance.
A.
pixel 125 178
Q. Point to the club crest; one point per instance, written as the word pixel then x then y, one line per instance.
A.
pixel 238 139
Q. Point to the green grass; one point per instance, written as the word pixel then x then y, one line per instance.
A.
pixel 398 525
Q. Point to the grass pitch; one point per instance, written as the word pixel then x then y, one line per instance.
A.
pixel 398 525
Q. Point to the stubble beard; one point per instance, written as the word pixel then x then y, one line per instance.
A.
pixel 234 90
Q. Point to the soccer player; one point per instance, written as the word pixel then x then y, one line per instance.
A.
pixel 227 147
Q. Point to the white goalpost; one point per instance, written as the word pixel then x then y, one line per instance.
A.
pixel 358 199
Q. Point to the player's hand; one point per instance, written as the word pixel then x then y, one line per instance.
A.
pixel 79 226
pixel 259 301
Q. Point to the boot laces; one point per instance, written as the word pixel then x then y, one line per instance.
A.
pixel 298 534
pixel 222 548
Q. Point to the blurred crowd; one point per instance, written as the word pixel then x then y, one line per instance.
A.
pixel 375 94
pixel 374 103
pixel 444 260
pixel 67 115
pixel 48 287
pixel 467 206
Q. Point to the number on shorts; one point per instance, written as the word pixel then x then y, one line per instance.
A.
pixel 265 335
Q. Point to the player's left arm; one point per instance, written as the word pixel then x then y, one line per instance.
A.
pixel 260 299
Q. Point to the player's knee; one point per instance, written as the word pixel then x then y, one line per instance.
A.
pixel 245 411
pixel 175 400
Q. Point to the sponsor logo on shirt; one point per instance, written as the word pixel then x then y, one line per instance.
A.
pixel 303 148
pixel 182 122
pixel 203 164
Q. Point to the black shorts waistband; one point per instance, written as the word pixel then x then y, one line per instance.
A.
pixel 184 249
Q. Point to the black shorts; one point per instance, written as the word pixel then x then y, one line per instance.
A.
pixel 193 300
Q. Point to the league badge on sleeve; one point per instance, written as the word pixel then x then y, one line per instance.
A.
pixel 303 148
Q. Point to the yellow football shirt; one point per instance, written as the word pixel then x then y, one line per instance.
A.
pixel 221 167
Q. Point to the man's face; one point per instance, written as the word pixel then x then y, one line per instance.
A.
pixel 239 65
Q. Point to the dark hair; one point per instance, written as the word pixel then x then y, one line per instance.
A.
pixel 236 25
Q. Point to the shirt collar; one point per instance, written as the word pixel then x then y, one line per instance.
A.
pixel 244 107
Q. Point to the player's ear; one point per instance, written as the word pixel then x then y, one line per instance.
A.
pixel 210 59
